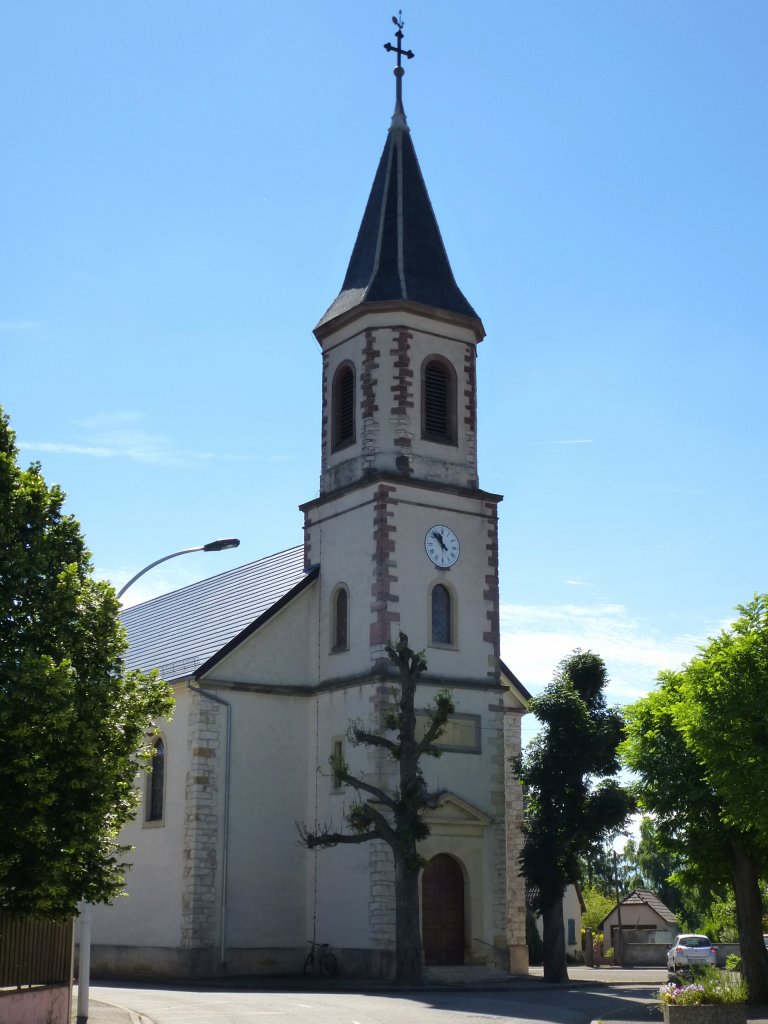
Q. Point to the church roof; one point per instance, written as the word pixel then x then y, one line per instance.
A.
pixel 399 253
pixel 178 632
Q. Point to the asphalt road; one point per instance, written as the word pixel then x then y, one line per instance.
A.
pixel 532 1002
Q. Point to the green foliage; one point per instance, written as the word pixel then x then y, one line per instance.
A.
pixel 597 907
pixel 733 962
pixel 573 800
pixel 699 744
pixel 718 987
pixel 719 922
pixel 73 724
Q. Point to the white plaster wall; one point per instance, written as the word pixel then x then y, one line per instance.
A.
pixel 636 916
pixel 265 891
pixel 343 532
pixel 282 652
pixel 338 879
pixel 150 913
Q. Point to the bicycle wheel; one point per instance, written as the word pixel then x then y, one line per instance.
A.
pixel 328 965
pixel 309 963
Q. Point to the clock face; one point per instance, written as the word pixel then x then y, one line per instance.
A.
pixel 442 546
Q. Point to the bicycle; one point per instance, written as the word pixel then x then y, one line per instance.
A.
pixel 323 962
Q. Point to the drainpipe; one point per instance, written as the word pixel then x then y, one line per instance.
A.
pixel 225 815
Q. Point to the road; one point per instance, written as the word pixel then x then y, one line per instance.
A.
pixel 572 1004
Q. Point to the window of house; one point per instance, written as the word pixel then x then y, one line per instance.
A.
pixel 156 784
pixel 571 931
pixel 343 411
pixel 340 617
pixel 337 756
pixel 438 401
pixel 441 624
pixel 461 734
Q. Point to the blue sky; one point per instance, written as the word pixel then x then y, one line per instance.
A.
pixel 181 188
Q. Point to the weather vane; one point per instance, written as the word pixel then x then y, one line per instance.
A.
pixel 397 20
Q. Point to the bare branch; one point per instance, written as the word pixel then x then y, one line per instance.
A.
pixel 371 739
pixel 326 837
pixel 378 794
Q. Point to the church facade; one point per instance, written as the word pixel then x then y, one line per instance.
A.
pixel 271 661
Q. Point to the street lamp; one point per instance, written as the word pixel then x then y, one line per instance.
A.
pixel 84 969
pixel 213 545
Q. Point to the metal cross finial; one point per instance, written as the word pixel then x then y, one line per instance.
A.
pixel 397 20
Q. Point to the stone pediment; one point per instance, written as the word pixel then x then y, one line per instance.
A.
pixel 454 816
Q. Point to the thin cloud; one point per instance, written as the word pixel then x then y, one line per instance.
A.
pixel 535 638
pixel 133 445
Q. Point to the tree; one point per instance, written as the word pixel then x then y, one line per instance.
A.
pixel 597 906
pixel 395 818
pixel 73 724
pixel 655 866
pixel 699 744
pixel 568 812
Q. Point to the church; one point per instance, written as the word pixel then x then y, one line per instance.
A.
pixel 271 661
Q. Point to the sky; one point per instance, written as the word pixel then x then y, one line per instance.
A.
pixel 180 190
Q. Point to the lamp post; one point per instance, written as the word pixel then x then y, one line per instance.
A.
pixel 84 969
pixel 214 545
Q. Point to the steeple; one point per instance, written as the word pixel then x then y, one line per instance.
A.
pixel 399 254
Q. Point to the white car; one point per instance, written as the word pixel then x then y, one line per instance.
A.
pixel 689 950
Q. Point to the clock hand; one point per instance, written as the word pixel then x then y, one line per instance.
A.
pixel 439 538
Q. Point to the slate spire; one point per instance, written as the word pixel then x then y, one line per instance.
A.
pixel 399 254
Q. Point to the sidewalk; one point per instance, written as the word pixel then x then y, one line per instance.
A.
pixel 106 1013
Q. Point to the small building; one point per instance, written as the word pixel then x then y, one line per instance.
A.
pixel 644 918
pixel 573 908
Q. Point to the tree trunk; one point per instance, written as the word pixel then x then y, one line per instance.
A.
pixel 754 956
pixel 409 962
pixel 555 968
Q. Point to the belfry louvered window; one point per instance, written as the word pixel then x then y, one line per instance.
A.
pixel 343 407
pixel 438 402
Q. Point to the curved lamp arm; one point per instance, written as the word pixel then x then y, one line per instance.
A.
pixel 214 545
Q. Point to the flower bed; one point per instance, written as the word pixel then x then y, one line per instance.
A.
pixel 713 998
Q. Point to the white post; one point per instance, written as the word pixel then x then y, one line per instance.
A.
pixel 84 969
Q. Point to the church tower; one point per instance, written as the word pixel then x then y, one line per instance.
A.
pixel 405 537
pixel 406 541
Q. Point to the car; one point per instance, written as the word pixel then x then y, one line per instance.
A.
pixel 690 950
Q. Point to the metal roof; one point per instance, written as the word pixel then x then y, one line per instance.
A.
pixel 178 632
pixel 399 254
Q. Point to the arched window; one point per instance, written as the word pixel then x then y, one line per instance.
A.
pixel 340 637
pixel 438 401
pixel 442 626
pixel 156 784
pixel 343 407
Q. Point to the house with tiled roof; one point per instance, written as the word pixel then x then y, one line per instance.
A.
pixel 269 662
pixel 644 918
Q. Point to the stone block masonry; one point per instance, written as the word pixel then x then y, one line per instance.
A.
pixel 201 828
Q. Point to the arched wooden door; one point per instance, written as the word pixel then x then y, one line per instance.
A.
pixel 442 911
